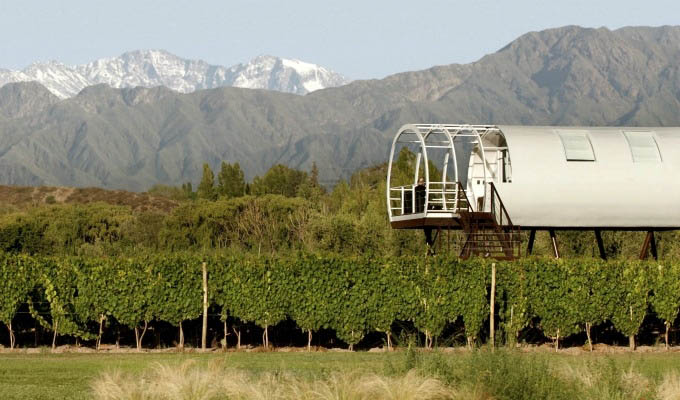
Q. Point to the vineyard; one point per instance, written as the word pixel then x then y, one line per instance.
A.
pixel 83 298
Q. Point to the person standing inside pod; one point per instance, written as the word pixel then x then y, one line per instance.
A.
pixel 420 195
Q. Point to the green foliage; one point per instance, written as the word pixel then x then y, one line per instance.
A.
pixel 55 277
pixel 260 296
pixel 664 279
pixel 351 295
pixel 17 277
pixel 178 285
pixel 589 295
pixel 285 212
pixel 309 306
pixel 631 307
pixel 230 180
pixel 206 188
pixel 188 190
pixel 279 180
pixel 502 375
pixel 131 298
pixel 550 285
pixel 513 296
pixel 172 192
pixel 404 169
pixel 473 279
pixel 429 289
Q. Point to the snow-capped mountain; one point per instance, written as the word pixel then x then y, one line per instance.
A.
pixel 151 68
pixel 59 78
pixel 291 76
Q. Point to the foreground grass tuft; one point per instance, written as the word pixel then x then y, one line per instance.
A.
pixel 189 381
pixel 669 388
pixel 416 375
pixel 474 375
pixel 512 375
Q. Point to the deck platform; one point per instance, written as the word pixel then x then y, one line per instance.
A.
pixel 423 220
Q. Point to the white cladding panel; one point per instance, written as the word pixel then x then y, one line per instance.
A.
pixel 612 191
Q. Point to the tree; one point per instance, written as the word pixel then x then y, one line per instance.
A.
pixel 186 187
pixel 230 180
pixel 206 189
pixel 279 180
pixel 309 188
pixel 314 176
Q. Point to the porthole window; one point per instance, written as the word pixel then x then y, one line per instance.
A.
pixel 577 146
pixel 643 146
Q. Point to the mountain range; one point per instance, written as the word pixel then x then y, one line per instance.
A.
pixel 150 68
pixel 131 138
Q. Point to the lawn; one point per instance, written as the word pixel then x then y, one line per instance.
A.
pixel 70 375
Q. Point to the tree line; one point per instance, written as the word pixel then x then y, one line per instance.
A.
pixel 283 211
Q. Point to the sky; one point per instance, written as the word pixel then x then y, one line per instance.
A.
pixel 360 39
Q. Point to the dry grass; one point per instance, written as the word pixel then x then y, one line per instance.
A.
pixel 189 381
pixel 602 379
pixel 24 196
pixel 669 387
pixel 605 383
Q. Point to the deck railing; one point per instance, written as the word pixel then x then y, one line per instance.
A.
pixel 439 197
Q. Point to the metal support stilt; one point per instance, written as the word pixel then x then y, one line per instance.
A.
pixel 553 239
pixel 600 244
pixel 647 245
pixel 532 238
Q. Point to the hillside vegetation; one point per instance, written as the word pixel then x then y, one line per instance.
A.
pixel 284 211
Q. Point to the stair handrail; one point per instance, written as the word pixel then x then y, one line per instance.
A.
pixel 503 210
pixel 460 188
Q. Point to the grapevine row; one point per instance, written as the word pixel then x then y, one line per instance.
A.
pixel 352 296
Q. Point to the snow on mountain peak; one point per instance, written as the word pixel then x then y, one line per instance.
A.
pixel 284 75
pixel 149 68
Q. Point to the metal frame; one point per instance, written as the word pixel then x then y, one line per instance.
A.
pixel 648 246
pixel 425 137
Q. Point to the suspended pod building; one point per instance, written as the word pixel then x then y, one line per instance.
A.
pixel 490 180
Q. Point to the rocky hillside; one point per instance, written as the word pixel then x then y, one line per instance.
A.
pixel 133 138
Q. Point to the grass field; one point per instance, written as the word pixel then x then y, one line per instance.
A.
pixel 69 375
pixel 504 374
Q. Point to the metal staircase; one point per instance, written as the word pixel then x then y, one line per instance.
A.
pixel 490 234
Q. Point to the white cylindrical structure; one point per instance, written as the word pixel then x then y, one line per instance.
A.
pixel 625 186
pixel 549 177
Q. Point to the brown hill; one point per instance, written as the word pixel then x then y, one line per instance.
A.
pixel 26 196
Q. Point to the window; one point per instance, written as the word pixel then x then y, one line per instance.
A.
pixel 577 146
pixel 643 146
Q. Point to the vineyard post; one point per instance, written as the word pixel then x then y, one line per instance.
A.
pixel 631 338
pixel 101 331
pixel 54 338
pixel 12 338
pixel 492 331
pixel 204 333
